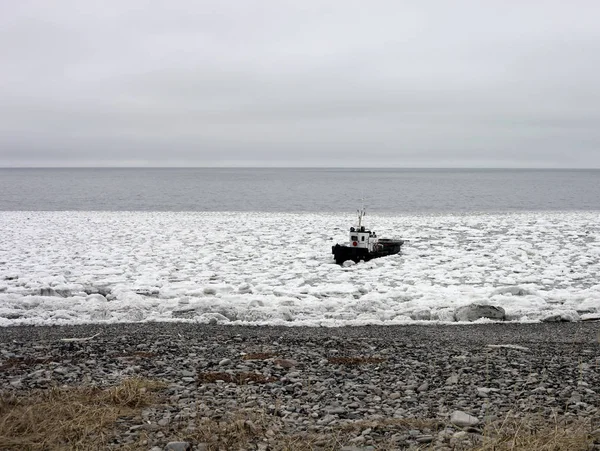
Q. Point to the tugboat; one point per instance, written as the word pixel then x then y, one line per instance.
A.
pixel 364 245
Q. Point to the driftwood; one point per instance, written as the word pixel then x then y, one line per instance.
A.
pixel 71 340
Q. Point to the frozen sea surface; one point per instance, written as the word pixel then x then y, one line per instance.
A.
pixel 276 268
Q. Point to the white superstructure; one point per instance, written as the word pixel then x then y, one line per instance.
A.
pixel 362 237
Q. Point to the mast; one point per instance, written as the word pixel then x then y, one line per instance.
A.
pixel 361 214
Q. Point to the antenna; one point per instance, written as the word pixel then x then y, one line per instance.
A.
pixel 361 214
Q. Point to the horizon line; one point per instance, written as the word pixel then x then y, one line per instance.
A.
pixel 314 167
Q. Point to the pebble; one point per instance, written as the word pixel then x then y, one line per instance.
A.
pixel 178 446
pixel 447 374
pixel 463 419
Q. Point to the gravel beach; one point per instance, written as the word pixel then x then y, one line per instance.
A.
pixel 393 387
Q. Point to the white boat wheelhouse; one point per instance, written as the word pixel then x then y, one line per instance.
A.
pixel 361 237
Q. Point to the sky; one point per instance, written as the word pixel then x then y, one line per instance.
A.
pixel 196 83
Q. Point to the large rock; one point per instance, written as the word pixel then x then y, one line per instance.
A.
pixel 473 312
pixel 463 419
pixel 422 315
pixel 562 317
pixel 584 317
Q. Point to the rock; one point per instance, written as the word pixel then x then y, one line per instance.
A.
pixel 61 370
pixel 452 380
pixel 178 446
pixel 423 315
pixel 212 318
pixel 285 363
pixel 561 317
pixel 336 410
pixel 164 421
pixel 187 313
pixel 348 263
pixel 425 439
pixel 484 392
pixel 225 362
pixel 463 419
pixel 473 312
pixel 460 435
pixel 590 317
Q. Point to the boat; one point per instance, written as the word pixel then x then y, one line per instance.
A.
pixel 364 244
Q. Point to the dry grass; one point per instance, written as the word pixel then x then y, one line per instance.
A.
pixel 350 361
pixel 399 424
pixel 246 427
pixel 236 432
pixel 237 378
pixel 536 433
pixel 88 419
pixel 70 418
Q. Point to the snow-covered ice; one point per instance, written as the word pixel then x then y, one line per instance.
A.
pixel 277 268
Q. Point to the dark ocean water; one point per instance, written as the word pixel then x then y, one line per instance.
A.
pixel 299 190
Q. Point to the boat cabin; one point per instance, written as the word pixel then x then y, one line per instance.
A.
pixel 360 237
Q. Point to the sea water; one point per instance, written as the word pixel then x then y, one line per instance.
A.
pixel 300 190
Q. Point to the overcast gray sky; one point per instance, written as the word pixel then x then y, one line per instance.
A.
pixel 482 83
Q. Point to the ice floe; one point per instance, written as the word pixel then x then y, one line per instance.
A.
pixel 277 268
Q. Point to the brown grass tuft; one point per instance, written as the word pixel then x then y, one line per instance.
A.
pixel 238 378
pixel 236 432
pixel 355 360
pixel 70 418
pixel 536 433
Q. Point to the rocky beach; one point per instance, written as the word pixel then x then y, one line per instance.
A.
pixel 393 387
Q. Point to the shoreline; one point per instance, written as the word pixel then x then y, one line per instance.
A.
pixel 394 386
pixel 489 332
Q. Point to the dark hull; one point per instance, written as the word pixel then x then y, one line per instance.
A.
pixel 385 247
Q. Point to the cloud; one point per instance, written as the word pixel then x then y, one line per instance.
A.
pixel 268 83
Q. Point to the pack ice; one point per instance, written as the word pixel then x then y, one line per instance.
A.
pixel 276 268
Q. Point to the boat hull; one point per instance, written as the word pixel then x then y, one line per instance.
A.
pixel 342 253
